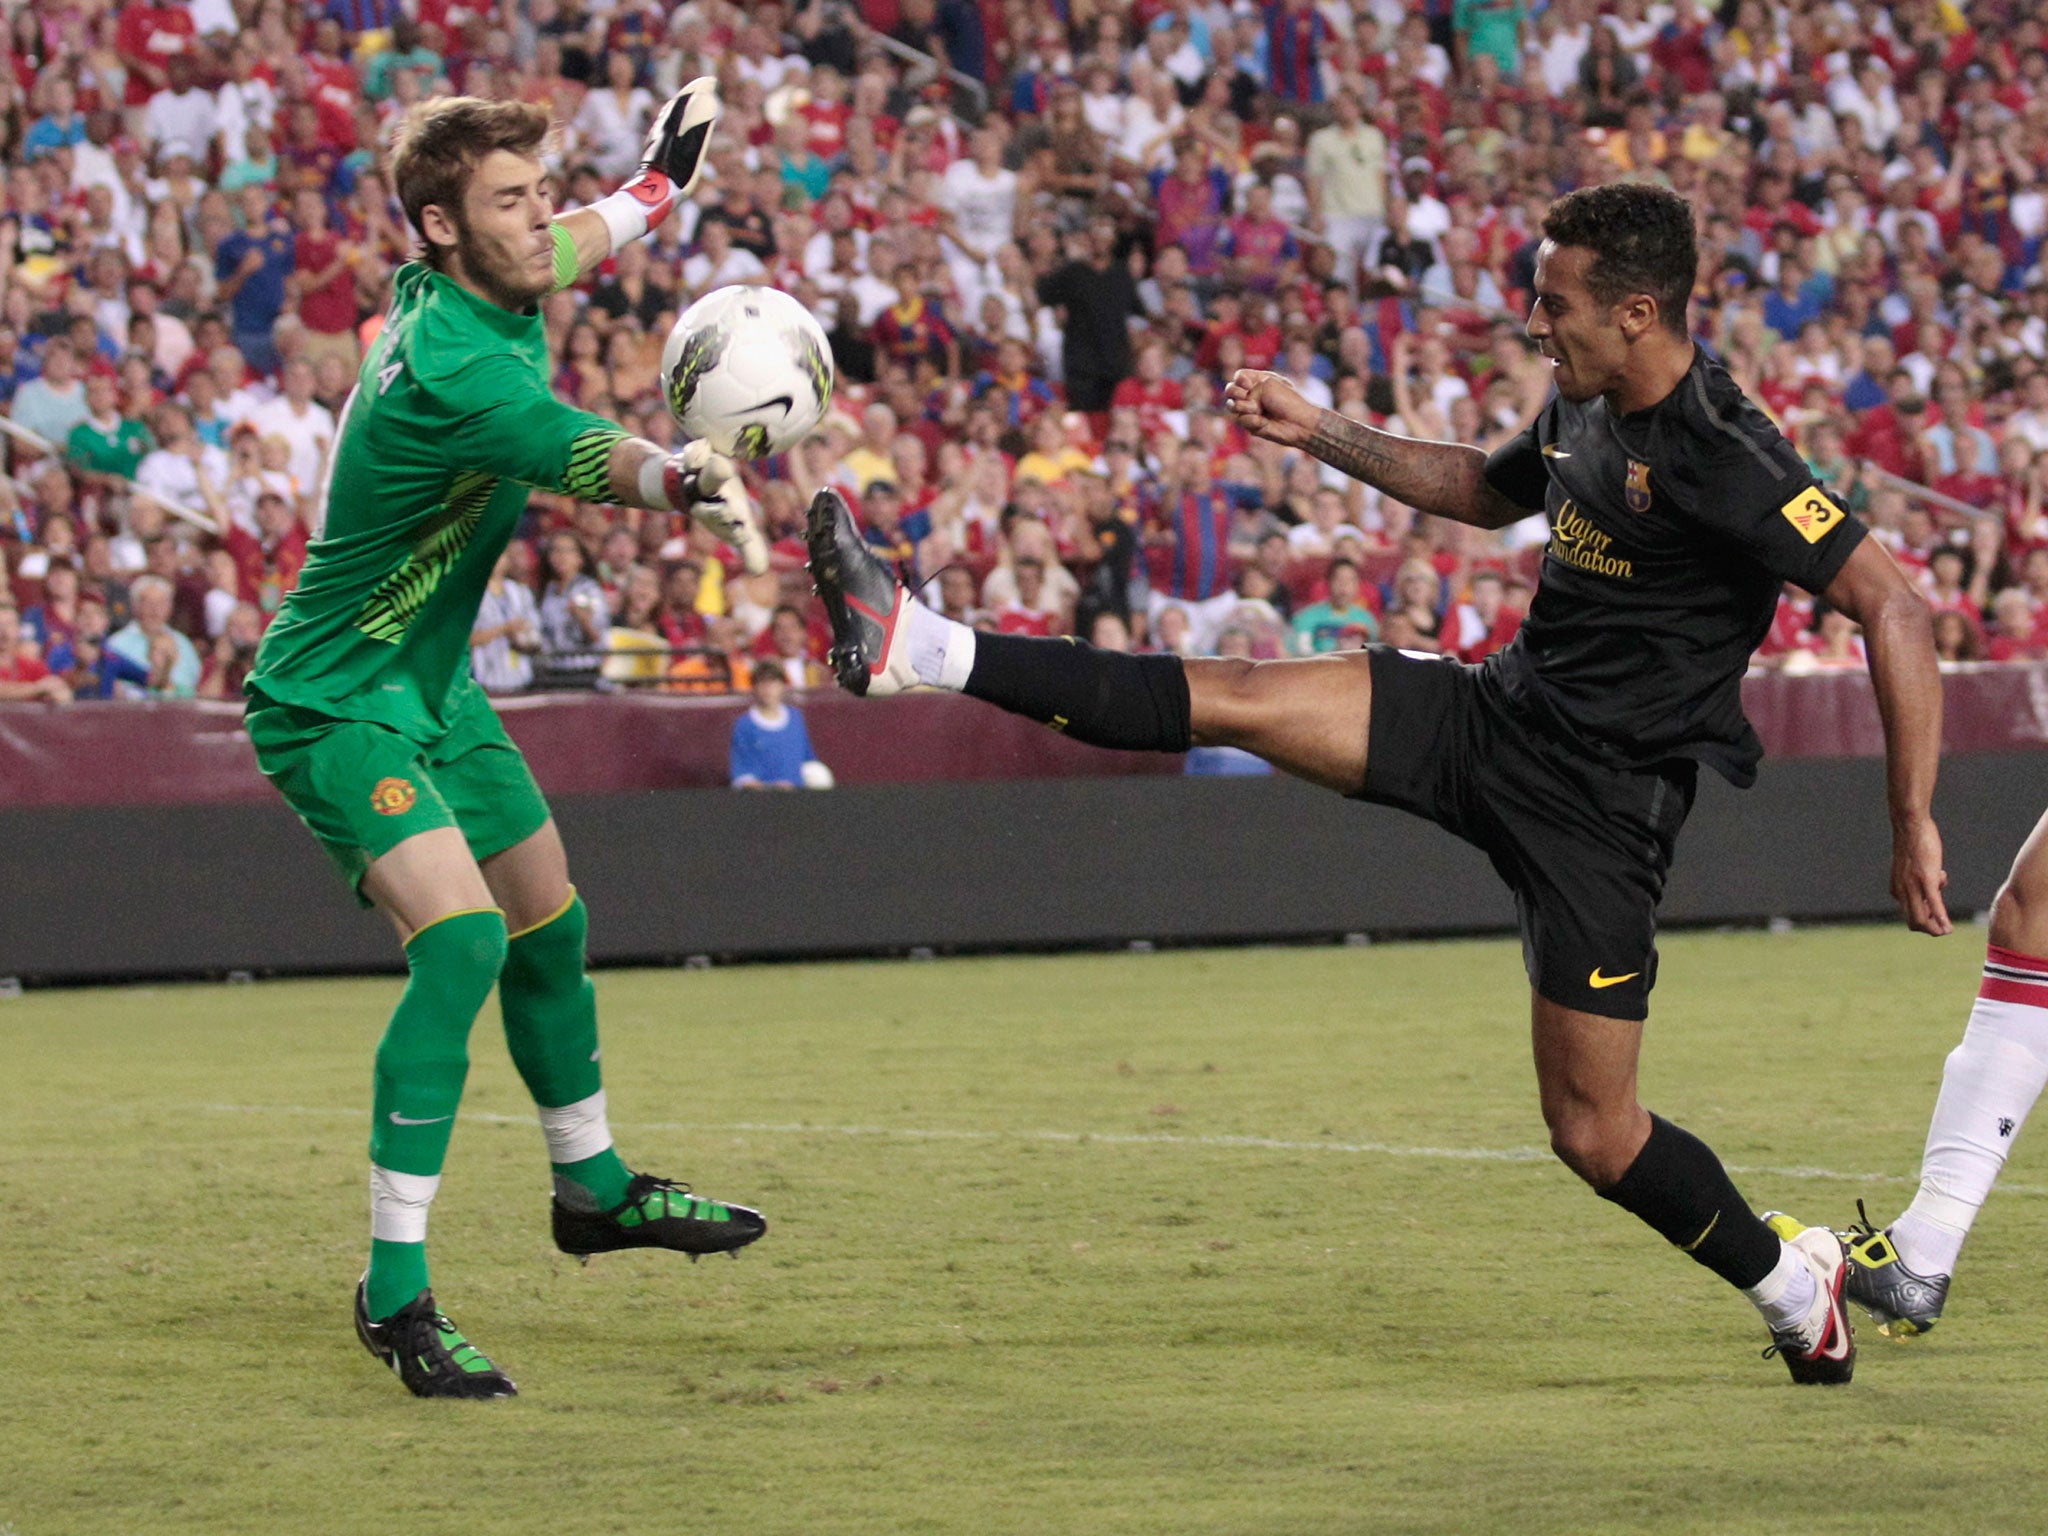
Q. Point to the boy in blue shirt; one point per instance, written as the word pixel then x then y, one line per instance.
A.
pixel 770 745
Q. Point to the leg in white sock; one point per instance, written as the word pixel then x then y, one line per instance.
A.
pixel 941 649
pixel 1785 1296
pixel 1988 1086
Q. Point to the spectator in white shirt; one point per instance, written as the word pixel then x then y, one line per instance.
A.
pixel 981 195
pixel 55 403
pixel 611 125
pixel 238 402
pixel 245 101
pixel 755 61
pixel 181 113
pixel 171 471
pixel 300 420
pixel 719 262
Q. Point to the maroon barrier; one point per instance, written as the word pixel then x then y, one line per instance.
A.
pixel 188 753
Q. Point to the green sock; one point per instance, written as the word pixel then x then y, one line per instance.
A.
pixel 604 1176
pixel 421 1064
pixel 398 1272
pixel 550 1012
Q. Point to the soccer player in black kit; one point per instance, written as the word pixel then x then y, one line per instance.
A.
pixel 1676 511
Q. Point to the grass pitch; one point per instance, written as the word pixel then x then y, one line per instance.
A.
pixel 1254 1241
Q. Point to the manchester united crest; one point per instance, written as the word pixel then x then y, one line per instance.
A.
pixel 393 797
pixel 1637 492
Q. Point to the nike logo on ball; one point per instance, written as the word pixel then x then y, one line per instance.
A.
pixel 398 1119
pixel 1596 981
pixel 786 402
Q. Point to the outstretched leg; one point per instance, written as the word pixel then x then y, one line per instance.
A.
pixel 1989 1085
pixel 1308 717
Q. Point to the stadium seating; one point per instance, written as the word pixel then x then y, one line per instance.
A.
pixel 1353 205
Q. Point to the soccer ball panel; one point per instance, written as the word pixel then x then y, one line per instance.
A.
pixel 748 370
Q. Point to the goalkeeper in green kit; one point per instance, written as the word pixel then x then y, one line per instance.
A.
pixel 364 714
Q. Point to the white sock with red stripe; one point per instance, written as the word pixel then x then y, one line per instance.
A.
pixel 941 649
pixel 1988 1087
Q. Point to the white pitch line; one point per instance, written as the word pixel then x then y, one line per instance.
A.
pixel 1127 1139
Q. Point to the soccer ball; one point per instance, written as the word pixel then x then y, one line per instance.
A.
pixel 748 370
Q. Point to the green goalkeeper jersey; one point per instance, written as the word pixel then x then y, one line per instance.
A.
pixel 452 420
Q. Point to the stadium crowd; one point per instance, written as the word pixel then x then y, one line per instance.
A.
pixel 1041 238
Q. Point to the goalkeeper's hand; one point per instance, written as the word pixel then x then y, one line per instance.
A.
pixel 707 485
pixel 677 145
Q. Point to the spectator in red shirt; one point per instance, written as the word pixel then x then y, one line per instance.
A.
pixel 1791 625
pixel 678 620
pixel 269 560
pixel 827 113
pixel 23 677
pixel 2018 631
pixel 1149 391
pixel 1027 614
pixel 145 38
pixel 1483 623
pixel 324 281
pixel 334 86
pixel 232 656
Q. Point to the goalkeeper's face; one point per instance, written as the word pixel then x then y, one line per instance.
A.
pixel 502 242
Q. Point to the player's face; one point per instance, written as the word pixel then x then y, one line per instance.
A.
pixel 505 242
pixel 1582 337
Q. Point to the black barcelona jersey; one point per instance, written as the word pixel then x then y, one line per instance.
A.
pixel 1672 530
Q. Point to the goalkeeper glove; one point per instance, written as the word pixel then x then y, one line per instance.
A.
pixel 670 166
pixel 707 485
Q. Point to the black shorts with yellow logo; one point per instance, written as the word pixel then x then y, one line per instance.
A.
pixel 1584 847
pixel 362 789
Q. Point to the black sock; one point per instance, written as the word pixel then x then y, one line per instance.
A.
pixel 1679 1187
pixel 1105 698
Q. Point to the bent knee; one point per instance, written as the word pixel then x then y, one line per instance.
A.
pixel 2019 913
pixel 1597 1147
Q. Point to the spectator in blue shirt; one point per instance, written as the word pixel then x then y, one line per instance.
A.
pixel 770 745
pixel 1793 302
pixel 61 124
pixel 251 266
pixel 85 662
pixel 360 16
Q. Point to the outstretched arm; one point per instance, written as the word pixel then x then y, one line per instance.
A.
pixel 519 431
pixel 1445 479
pixel 670 166
pixel 1898 631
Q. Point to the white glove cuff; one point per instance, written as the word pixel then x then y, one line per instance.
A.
pixel 624 215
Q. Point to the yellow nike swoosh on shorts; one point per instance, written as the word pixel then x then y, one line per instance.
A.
pixel 1596 981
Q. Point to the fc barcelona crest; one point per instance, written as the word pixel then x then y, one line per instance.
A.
pixel 1637 492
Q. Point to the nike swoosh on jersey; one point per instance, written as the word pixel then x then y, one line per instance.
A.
pixel 1552 452
pixel 787 403
pixel 398 1119
pixel 1596 981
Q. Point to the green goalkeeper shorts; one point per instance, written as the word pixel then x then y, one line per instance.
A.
pixel 363 789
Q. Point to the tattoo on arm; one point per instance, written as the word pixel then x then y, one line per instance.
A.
pixel 1442 478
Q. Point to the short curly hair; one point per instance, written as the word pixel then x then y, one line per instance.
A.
pixel 1642 241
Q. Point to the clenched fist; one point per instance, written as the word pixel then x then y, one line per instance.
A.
pixel 1267 406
